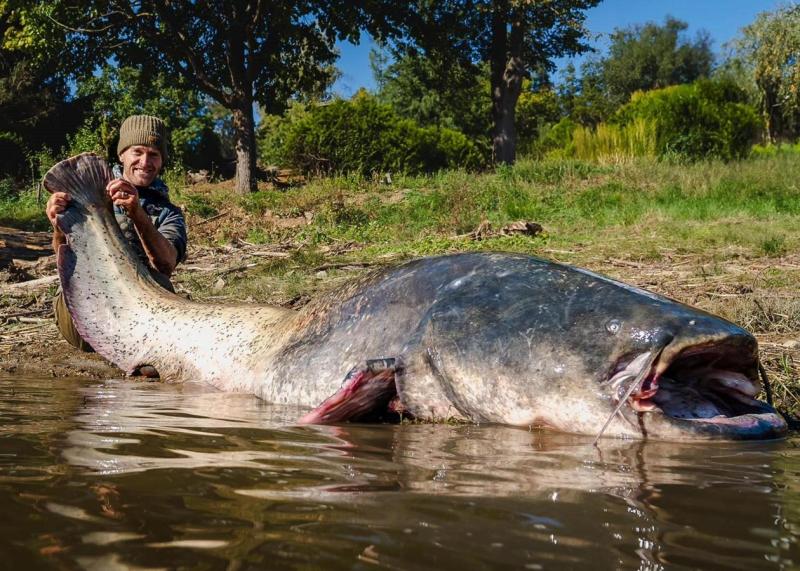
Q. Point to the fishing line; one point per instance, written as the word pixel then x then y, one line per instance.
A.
pixel 637 382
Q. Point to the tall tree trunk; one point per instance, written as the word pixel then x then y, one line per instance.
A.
pixel 504 107
pixel 244 128
pixel 507 71
pixel 772 114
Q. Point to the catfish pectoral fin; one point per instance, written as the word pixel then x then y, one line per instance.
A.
pixel 367 391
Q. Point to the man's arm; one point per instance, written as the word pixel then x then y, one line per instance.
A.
pixel 160 252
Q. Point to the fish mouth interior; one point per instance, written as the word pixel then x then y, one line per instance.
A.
pixel 714 385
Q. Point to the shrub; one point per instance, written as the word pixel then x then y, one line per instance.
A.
pixel 274 131
pixel 555 139
pixel 362 135
pixel 699 120
pixel 615 142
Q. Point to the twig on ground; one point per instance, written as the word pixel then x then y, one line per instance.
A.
pixel 26 313
pixel 270 254
pixel 627 263
pixel 30 284
pixel 237 268
pixel 212 218
pixel 336 265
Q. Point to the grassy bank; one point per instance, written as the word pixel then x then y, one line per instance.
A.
pixel 639 209
pixel 721 236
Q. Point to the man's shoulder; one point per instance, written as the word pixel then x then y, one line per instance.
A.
pixel 160 187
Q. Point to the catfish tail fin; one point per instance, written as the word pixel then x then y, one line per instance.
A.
pixel 84 177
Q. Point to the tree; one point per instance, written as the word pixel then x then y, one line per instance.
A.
pixel 119 91
pixel 650 56
pixel 35 107
pixel 768 53
pixel 582 98
pixel 436 93
pixel 640 58
pixel 515 38
pixel 239 52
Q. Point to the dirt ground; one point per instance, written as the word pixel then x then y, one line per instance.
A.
pixel 740 289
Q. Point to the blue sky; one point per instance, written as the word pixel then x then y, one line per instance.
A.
pixel 722 19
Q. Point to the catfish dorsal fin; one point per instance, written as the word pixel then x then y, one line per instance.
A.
pixel 84 177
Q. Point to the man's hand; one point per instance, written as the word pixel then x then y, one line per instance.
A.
pixel 162 254
pixel 125 195
pixel 56 204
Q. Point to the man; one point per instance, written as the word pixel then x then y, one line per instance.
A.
pixel 154 226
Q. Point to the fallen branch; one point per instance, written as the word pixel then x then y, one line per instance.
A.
pixel 26 313
pixel 31 284
pixel 27 320
pixel 336 265
pixel 237 268
pixel 269 254
pixel 212 218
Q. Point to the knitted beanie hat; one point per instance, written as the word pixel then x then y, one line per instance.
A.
pixel 143 130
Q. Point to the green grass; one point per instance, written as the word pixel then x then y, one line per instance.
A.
pixel 19 207
pixel 639 207
pixel 608 142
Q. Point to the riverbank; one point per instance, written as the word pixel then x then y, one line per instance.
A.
pixel 722 237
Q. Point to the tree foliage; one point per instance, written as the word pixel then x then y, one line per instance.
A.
pixel 640 58
pixel 515 38
pixel 768 52
pixel 454 96
pixel 651 57
pixel 117 92
pixel 35 107
pixel 433 92
pixel 238 53
pixel 364 136
pixel 700 120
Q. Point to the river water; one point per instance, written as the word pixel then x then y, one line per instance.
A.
pixel 131 475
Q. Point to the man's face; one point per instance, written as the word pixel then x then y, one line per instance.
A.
pixel 140 164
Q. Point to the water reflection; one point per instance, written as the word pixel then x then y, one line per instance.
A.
pixel 143 475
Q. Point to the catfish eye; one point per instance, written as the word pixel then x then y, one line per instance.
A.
pixel 613 326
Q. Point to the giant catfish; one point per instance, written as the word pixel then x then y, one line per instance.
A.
pixel 478 337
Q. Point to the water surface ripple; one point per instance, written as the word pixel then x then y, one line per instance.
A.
pixel 130 475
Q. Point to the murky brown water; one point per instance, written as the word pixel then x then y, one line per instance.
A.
pixel 124 475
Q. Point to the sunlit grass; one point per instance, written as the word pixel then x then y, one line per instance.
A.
pixel 20 207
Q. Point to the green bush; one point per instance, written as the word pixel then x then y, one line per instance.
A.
pixel 703 119
pixel 555 140
pixel 274 131
pixel 364 136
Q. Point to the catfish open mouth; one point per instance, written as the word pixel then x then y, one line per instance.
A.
pixel 708 389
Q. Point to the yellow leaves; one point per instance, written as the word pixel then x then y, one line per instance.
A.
pixel 771 44
pixel 28 28
pixel 20 34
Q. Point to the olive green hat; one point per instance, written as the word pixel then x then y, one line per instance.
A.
pixel 143 130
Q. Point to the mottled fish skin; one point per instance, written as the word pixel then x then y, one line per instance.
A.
pixel 491 337
pixel 485 337
pixel 128 318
